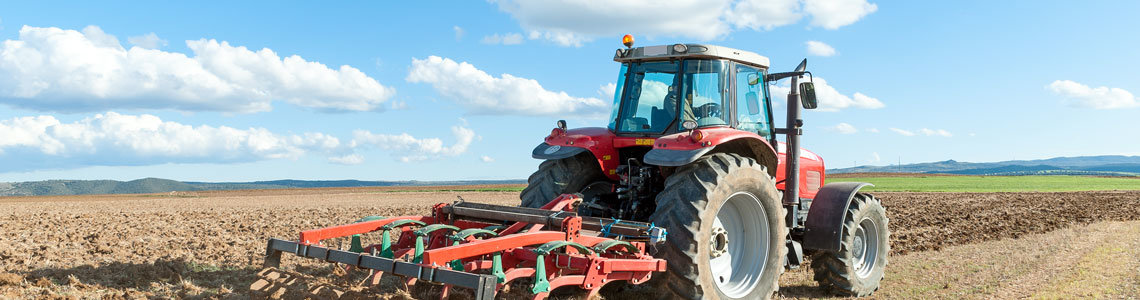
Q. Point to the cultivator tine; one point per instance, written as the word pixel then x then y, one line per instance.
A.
pixel 605 246
pixel 488 248
pixel 422 233
pixel 386 238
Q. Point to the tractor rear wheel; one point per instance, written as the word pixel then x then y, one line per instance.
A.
pixel 858 267
pixel 560 176
pixel 725 228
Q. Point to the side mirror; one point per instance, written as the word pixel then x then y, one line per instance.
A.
pixel 753 79
pixel 753 103
pixel 807 95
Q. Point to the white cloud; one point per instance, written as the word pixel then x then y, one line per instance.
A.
pixel 113 139
pixel 506 94
pixel 459 32
pixel 53 69
pixel 574 22
pixel 398 105
pixel 1081 95
pixel 935 132
pixel 832 14
pixel 351 159
pixel 607 90
pixel 487 159
pixel 923 131
pixel 844 128
pixel 818 48
pixel 903 132
pixel 875 157
pixel 873 130
pixel 408 148
pixel 505 39
pixel 148 41
pixel 831 99
pixel 763 14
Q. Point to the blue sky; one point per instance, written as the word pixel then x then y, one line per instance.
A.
pixel 465 89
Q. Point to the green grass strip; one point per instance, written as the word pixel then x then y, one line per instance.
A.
pixel 996 183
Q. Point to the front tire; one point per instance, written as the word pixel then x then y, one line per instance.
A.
pixel 725 227
pixel 858 267
pixel 560 176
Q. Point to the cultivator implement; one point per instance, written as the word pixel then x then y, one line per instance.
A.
pixel 486 247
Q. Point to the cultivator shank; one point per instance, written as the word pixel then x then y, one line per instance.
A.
pixel 486 247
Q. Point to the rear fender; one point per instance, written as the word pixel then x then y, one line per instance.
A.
pixel 679 149
pixel 823 228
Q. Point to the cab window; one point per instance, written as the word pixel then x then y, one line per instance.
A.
pixel 751 109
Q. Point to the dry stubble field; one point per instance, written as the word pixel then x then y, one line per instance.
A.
pixel 210 244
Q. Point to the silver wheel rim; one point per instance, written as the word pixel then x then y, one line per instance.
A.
pixel 865 247
pixel 738 263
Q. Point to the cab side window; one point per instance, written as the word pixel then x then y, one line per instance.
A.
pixel 751 113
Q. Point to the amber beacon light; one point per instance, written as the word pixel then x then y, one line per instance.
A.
pixel 627 40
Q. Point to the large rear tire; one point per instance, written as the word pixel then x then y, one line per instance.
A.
pixel 726 230
pixel 858 267
pixel 560 176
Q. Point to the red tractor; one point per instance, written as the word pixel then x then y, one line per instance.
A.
pixel 690 147
pixel 687 188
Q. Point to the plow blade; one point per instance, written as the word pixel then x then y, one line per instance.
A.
pixel 485 247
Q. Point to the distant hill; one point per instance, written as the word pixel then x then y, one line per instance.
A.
pixel 1108 165
pixel 158 185
pixel 1105 165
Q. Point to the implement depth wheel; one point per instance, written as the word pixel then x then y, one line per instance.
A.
pixel 560 176
pixel 725 227
pixel 858 267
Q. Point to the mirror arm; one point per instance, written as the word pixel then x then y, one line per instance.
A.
pixel 773 77
pixel 797 131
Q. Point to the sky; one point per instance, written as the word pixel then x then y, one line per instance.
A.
pixel 455 90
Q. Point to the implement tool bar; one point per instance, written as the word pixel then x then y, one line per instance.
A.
pixel 484 285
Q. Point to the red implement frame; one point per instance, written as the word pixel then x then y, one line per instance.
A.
pixel 486 247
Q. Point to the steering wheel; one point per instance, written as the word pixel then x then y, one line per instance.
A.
pixel 711 109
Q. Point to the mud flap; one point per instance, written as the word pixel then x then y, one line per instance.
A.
pixel 822 230
pixel 674 158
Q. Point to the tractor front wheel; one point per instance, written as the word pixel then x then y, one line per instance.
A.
pixel 560 176
pixel 858 267
pixel 725 230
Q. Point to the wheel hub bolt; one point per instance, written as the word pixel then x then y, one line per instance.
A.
pixel 718 243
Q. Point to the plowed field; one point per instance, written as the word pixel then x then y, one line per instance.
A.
pixel 210 245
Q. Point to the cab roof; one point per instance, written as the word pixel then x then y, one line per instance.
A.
pixel 664 52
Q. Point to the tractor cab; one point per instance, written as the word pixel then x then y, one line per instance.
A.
pixel 661 89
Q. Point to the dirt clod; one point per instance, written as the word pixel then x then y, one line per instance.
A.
pixel 11 279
